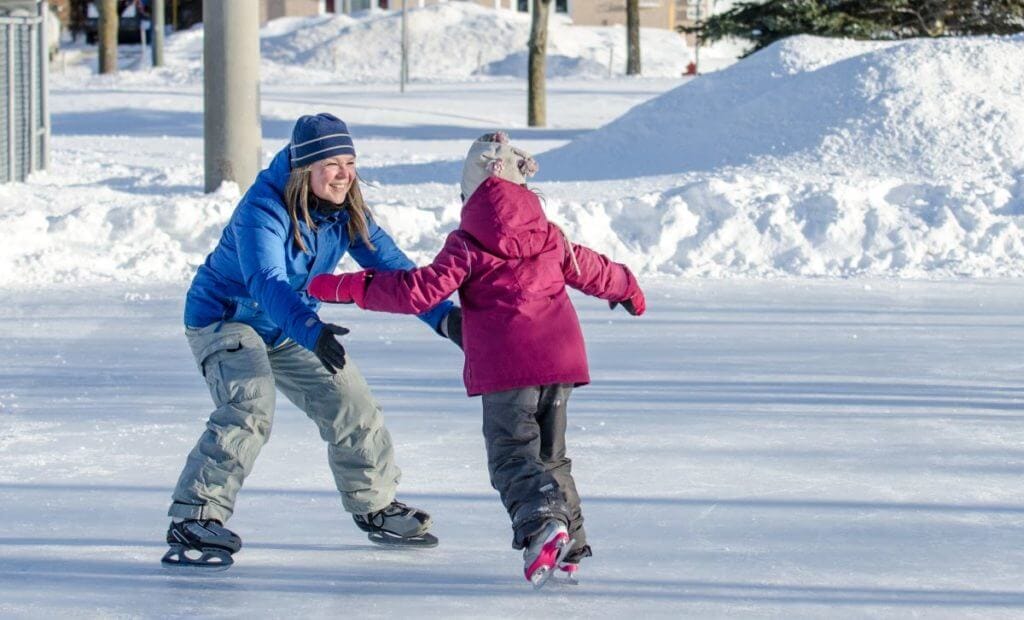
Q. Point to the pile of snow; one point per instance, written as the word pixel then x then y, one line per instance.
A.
pixel 924 108
pixel 458 40
pixel 447 42
pixel 824 157
pixel 813 157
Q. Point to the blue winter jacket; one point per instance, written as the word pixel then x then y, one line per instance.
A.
pixel 258 276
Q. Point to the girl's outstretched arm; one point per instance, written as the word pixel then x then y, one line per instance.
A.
pixel 596 275
pixel 405 292
pixel 381 254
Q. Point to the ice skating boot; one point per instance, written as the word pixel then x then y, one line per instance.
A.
pixel 546 549
pixel 200 544
pixel 397 525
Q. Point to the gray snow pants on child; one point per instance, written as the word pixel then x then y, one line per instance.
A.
pixel 242 373
pixel 524 430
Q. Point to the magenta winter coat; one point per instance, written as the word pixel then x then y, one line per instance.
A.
pixel 510 267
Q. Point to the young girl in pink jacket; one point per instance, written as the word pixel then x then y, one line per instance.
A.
pixel 521 336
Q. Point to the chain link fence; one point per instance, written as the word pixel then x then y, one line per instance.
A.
pixel 24 120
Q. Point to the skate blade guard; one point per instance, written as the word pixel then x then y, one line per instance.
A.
pixel 387 539
pixel 206 560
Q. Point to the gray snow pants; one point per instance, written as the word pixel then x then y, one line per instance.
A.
pixel 524 430
pixel 242 373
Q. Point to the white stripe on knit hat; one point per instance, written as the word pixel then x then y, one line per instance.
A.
pixel 296 160
pixel 333 135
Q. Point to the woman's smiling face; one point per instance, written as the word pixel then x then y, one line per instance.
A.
pixel 331 178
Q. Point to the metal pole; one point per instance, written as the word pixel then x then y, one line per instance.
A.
pixel 231 93
pixel 12 31
pixel 405 49
pixel 44 86
pixel 32 31
pixel 142 42
pixel 696 43
pixel 156 15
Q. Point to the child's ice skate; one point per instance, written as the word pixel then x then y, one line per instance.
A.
pixel 200 544
pixel 546 549
pixel 569 565
pixel 567 573
pixel 398 525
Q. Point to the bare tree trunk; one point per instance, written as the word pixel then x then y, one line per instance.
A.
pixel 109 19
pixel 633 37
pixel 537 104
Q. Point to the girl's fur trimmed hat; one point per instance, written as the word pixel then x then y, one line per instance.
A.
pixel 492 155
pixel 319 137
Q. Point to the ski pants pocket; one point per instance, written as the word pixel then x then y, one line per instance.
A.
pixel 234 362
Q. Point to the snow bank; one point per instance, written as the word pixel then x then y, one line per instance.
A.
pixel 824 157
pixel 925 107
pixel 455 41
pixel 448 42
pixel 813 157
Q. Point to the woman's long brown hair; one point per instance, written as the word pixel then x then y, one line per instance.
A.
pixel 296 198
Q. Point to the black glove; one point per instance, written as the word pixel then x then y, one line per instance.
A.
pixel 329 350
pixel 452 326
pixel 627 304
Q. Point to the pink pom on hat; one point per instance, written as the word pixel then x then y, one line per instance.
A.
pixel 492 155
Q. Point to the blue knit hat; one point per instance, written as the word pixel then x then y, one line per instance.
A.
pixel 319 137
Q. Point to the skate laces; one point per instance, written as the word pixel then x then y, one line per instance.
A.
pixel 393 509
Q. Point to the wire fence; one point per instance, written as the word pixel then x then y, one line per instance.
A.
pixel 24 120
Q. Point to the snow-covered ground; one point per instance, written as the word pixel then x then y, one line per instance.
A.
pixel 759 445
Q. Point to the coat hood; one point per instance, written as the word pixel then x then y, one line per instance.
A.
pixel 506 219
pixel 275 176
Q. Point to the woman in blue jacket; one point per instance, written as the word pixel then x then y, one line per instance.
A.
pixel 254 329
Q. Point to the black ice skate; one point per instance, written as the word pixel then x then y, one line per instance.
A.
pixel 397 525
pixel 205 545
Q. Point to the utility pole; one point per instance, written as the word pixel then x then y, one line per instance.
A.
pixel 404 77
pixel 108 36
pixel 156 16
pixel 231 93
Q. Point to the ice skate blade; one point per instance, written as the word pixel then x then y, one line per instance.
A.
pixel 564 580
pixel 209 561
pixel 423 541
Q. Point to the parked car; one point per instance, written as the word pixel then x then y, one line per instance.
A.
pixel 132 13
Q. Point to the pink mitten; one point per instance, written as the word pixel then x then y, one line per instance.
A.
pixel 345 288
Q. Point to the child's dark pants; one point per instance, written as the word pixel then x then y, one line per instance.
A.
pixel 525 434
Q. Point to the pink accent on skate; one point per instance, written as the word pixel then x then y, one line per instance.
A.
pixel 569 569
pixel 548 555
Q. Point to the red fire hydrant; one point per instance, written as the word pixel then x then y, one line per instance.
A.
pixel 691 68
